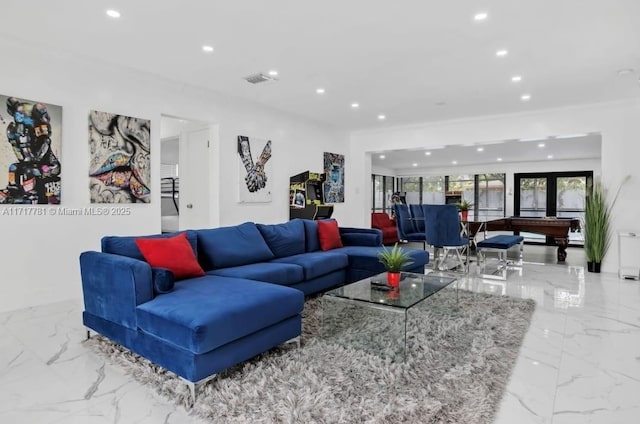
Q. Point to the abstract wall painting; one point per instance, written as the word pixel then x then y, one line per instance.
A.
pixel 334 184
pixel 255 169
pixel 30 145
pixel 120 166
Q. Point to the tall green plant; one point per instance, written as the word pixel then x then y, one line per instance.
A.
pixel 597 223
pixel 597 220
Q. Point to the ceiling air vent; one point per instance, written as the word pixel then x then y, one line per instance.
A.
pixel 258 78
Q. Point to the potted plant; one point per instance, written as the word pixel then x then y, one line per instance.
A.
pixel 597 223
pixel 394 260
pixel 464 207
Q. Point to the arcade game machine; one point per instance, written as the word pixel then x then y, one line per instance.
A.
pixel 306 197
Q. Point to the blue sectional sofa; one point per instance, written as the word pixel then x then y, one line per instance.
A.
pixel 248 301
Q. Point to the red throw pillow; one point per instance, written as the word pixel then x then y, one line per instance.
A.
pixel 172 253
pixel 329 235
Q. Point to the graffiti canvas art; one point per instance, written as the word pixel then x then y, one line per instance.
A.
pixel 119 148
pixel 30 144
pixel 255 169
pixel 334 184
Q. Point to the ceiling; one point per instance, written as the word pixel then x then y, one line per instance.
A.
pixel 567 147
pixel 413 61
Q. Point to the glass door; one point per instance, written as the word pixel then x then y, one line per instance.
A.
pixel 552 194
pixel 533 197
pixel 571 194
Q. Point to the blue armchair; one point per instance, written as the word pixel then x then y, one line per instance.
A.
pixel 442 231
pixel 418 217
pixel 406 229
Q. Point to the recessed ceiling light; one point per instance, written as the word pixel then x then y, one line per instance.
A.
pixel 480 149
pixel 207 49
pixel 502 53
pixel 355 105
pixel 481 16
pixel 414 164
pixel 273 73
pixel 454 162
pixel 427 153
pixel 499 159
pixel 525 97
pixel 113 13
pixel 516 78
pixel 550 157
pixel 541 144
pixel 382 156
pixel 382 117
pixel 320 90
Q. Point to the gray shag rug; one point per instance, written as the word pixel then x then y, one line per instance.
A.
pixel 458 364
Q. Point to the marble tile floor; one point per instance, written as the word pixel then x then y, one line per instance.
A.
pixel 579 363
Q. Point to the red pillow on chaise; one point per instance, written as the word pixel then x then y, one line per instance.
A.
pixel 172 253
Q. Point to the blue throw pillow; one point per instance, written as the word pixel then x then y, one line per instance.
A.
pixel 163 280
pixel 232 246
pixel 284 239
pixel 311 235
pixel 126 245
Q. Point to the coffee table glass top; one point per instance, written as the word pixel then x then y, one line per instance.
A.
pixel 413 288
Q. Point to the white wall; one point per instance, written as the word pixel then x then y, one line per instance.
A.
pixel 40 253
pixel 617 122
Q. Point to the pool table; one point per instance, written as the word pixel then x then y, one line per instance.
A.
pixel 555 228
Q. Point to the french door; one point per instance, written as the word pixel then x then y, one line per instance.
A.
pixel 559 194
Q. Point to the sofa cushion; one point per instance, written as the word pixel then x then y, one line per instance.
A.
pixel 312 242
pixel 502 241
pixel 284 239
pixel 172 253
pixel 351 239
pixel 329 234
pixel 232 246
pixel 126 245
pixel 204 313
pixel 366 257
pixel 316 264
pixel 276 273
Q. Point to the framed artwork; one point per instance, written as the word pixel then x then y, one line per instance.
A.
pixel 119 163
pixel 30 145
pixel 254 169
pixel 334 184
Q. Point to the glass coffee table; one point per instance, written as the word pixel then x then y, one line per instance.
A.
pixel 371 315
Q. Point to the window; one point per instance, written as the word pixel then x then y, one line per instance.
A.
pixel 410 187
pixel 490 198
pixel 466 185
pixel 433 190
pixel 485 191
pixel 383 188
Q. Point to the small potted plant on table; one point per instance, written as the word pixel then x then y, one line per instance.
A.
pixel 394 260
pixel 464 207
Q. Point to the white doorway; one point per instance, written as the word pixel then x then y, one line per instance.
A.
pixel 185 174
